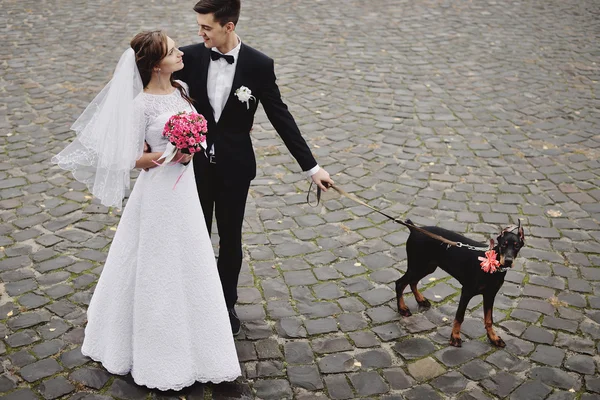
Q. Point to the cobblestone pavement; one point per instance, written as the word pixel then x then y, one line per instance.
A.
pixel 464 114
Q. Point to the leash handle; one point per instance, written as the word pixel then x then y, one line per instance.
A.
pixel 318 195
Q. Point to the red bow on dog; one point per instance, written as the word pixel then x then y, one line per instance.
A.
pixel 489 262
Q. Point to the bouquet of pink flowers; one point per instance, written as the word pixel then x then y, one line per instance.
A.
pixel 187 132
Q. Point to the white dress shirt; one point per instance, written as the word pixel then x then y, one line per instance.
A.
pixel 218 86
pixel 220 79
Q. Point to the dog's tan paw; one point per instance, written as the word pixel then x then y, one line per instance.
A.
pixel 498 342
pixel 455 341
pixel 425 304
pixel 404 312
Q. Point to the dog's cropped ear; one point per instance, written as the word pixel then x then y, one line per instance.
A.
pixel 521 232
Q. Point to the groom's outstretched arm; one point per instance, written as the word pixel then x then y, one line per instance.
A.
pixel 286 127
pixel 282 120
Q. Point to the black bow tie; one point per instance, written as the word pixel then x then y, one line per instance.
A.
pixel 215 56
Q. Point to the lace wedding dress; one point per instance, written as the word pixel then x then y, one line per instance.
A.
pixel 158 309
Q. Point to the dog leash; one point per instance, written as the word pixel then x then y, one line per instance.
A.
pixel 342 192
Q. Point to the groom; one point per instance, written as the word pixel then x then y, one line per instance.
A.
pixel 227 80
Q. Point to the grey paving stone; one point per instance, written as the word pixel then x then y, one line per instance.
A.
pixel 382 314
pixel 319 326
pixel 590 396
pixel 452 382
pixel 538 335
pixel 280 309
pixel 377 358
pixel 21 358
pixel 531 390
pixel 476 370
pixel 349 322
pixel 453 356
pixel 514 327
pixel 331 345
pixel 389 332
pixel 560 395
pixel 425 369
pixel 273 389
pixel 268 348
pixel 364 339
pixel 21 394
pixel 48 348
pixel 53 278
pixel 55 387
pixel 414 348
pixel 592 383
pixel 439 292
pixel 548 355
pixel 223 391
pixel 368 383
pixel 298 353
pixel 417 323
pixel 245 350
pixel 126 389
pixel 257 330
pixel 581 363
pixel 336 363
pixel 270 368
pixel 518 346
pixel 377 296
pixel 537 305
pixel 559 323
pixel 22 338
pixel 32 301
pixel 338 387
pixel 40 369
pixel 20 287
pixel 291 328
pixel 504 360
pixel 28 319
pixel 575 343
pixel 556 378
pixel 91 377
pixel 53 329
pixel 315 309
pixel 74 336
pixel 73 358
pixel 422 392
pixel 501 384
pixel 305 376
pixel 398 379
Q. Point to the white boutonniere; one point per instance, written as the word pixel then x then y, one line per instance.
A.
pixel 244 95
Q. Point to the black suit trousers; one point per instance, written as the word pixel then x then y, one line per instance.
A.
pixel 227 199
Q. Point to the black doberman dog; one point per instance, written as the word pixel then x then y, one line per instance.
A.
pixel 425 254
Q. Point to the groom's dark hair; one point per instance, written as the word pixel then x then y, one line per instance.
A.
pixel 224 11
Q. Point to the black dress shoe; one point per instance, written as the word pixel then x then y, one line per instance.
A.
pixel 235 322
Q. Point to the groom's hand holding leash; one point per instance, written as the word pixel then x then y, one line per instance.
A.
pixel 322 179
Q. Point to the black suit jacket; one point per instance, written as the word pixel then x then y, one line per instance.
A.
pixel 231 135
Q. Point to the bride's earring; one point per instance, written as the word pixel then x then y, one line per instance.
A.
pixel 158 73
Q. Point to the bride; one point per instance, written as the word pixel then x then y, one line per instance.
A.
pixel 158 309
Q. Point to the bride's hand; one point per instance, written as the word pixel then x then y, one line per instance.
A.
pixel 182 158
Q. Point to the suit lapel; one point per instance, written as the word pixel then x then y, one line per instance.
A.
pixel 204 101
pixel 237 80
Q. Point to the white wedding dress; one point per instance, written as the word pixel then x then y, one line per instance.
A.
pixel 158 309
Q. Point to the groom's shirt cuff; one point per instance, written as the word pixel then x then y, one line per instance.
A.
pixel 312 171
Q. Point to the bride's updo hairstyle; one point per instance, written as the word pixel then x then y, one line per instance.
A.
pixel 150 48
